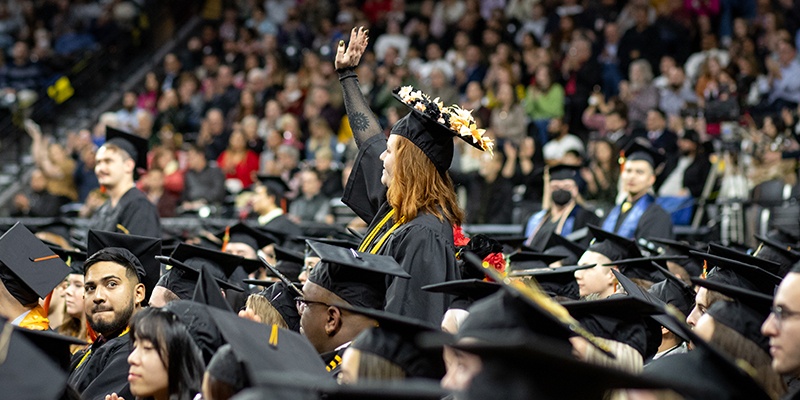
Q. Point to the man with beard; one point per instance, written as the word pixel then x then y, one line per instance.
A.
pixel 113 293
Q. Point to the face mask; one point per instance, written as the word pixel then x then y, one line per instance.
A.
pixel 561 197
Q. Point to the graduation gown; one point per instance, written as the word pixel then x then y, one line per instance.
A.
pixel 581 217
pixel 423 246
pixel 654 223
pixel 333 361
pixel 102 369
pixel 134 212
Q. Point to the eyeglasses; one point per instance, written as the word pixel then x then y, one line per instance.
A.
pixel 781 314
pixel 302 304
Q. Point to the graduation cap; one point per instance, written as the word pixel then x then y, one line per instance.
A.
pixel 225 367
pixel 145 249
pixel 431 128
pixel 26 372
pixel 564 171
pixel 350 243
pixel 613 246
pixel 692 264
pixel 55 345
pixel 268 348
pixel 621 318
pixel 290 262
pixel 243 233
pixel 464 291
pixel 394 339
pixel 739 274
pixel 673 291
pixel 188 260
pixel 641 150
pixel 784 254
pixel 135 146
pixel 557 244
pixel 201 327
pixel 358 278
pixel 642 267
pixel 522 259
pixel 534 367
pixel 285 386
pixel 744 258
pixel 672 324
pixel 275 185
pixel 28 269
pixel 208 292
pixel 56 226
pixel 282 298
pixel 705 373
pixel 745 314
pixel 73 258
pixel 511 243
pixel 525 305
pixel 556 281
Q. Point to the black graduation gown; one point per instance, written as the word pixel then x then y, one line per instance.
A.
pixel 134 212
pixel 654 223
pixel 104 370
pixel 423 246
pixel 583 218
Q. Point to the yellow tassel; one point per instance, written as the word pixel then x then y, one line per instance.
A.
pixel 273 336
pixel 123 229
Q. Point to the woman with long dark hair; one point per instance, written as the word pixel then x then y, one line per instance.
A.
pixel 402 185
pixel 165 363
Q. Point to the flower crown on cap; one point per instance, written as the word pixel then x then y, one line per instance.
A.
pixel 458 120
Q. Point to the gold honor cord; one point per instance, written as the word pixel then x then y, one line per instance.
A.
pixel 535 294
pixel 374 232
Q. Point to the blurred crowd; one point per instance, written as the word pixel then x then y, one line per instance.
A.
pixel 255 93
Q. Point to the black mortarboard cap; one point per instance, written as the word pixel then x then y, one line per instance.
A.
pixel 507 371
pixel 225 367
pixel 511 243
pixel 358 278
pixel 282 299
pixel 522 259
pixel 26 371
pixel 789 233
pixel 704 373
pixel 394 339
pixel 56 226
pixel 557 244
pixel 782 253
pixel 642 267
pixel 624 319
pixel 672 324
pixel 188 260
pixel 28 268
pixel 73 258
pixel 674 292
pixel 144 248
pixel 745 314
pixel 525 306
pixel 613 246
pixel 208 292
pixel 739 274
pixel 465 291
pixel 555 281
pixel 243 233
pixel 136 147
pixel 285 386
pixel 563 171
pixel 268 348
pixel 275 184
pixel 351 243
pixel 290 262
pixel 692 264
pixel 744 258
pixel 55 345
pixel 424 130
pixel 640 149
pixel 202 329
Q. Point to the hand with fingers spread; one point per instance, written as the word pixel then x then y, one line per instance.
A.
pixel 349 56
pixel 113 396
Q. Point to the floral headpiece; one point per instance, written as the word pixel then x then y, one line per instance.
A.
pixel 456 119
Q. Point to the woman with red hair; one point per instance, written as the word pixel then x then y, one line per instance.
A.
pixel 402 187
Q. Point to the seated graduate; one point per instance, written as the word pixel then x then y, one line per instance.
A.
pixel 563 212
pixel 599 282
pixel 342 277
pixel 639 216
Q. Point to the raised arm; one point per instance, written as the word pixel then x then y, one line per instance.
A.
pixel 362 121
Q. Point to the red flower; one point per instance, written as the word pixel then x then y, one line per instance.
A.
pixel 459 240
pixel 496 261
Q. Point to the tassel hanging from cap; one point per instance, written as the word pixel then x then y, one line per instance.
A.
pixel 705 270
pixel 226 238
pixel 273 336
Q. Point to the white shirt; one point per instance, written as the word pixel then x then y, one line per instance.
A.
pixel 266 218
pixel 19 319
